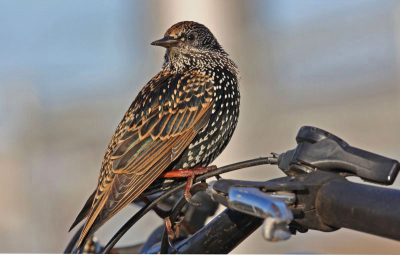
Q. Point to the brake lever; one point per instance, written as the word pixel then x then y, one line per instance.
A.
pixel 253 201
pixel 319 149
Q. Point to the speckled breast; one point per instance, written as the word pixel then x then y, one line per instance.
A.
pixel 215 136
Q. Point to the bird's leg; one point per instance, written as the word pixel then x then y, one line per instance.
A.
pixel 170 231
pixel 168 226
pixel 190 174
pixel 172 235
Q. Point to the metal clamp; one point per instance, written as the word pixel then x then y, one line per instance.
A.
pixel 253 201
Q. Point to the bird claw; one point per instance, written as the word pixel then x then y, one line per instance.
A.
pixel 171 244
pixel 171 234
pixel 188 198
pixel 187 194
pixel 170 231
pixel 189 183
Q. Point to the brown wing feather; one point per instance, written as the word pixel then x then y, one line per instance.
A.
pixel 161 122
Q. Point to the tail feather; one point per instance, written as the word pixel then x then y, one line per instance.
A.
pixel 90 231
pixel 89 228
pixel 84 212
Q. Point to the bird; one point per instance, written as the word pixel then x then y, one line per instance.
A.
pixel 181 120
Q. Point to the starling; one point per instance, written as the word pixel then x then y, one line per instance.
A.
pixel 182 119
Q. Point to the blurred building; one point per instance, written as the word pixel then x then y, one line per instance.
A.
pixel 70 69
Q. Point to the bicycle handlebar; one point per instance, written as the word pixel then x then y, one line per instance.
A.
pixel 325 202
pixel 316 192
pixel 365 208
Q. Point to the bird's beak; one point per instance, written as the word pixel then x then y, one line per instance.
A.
pixel 166 42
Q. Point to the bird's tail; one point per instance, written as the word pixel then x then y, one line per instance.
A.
pixel 84 212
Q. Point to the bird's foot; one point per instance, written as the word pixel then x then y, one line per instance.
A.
pixel 190 174
pixel 172 235
pixel 168 226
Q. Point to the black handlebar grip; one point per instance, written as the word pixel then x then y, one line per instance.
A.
pixel 360 207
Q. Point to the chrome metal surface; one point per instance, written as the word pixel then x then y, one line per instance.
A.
pixel 287 197
pixel 275 229
pixel 254 202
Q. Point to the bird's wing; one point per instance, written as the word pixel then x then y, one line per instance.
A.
pixel 162 121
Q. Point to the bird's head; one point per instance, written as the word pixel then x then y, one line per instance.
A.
pixel 188 35
pixel 187 41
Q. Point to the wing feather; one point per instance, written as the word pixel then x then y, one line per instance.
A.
pixel 161 122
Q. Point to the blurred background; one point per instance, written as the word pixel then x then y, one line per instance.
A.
pixel 70 69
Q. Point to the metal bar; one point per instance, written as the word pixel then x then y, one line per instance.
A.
pixel 222 234
pixel 360 207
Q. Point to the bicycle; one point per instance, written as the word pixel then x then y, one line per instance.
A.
pixel 315 194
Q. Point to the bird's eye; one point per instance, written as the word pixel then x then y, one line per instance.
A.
pixel 191 37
